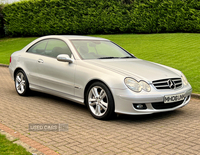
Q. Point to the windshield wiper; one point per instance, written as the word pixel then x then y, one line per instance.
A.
pixel 127 57
pixel 115 57
pixel 107 57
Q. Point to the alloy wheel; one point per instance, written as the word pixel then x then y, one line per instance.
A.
pixel 21 83
pixel 98 101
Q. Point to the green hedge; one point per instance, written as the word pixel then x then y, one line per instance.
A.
pixel 43 17
pixel 1 22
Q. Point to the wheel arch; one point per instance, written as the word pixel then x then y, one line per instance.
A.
pixel 16 70
pixel 90 83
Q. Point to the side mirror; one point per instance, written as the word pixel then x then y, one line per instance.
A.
pixel 64 58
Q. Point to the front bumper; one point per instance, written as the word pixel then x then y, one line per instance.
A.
pixel 126 99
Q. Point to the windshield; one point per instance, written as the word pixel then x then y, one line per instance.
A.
pixel 93 49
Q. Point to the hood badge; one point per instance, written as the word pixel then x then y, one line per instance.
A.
pixel 171 84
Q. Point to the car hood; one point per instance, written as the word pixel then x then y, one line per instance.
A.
pixel 137 68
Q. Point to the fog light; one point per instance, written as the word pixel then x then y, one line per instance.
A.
pixel 141 106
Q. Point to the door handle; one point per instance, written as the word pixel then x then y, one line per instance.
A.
pixel 40 61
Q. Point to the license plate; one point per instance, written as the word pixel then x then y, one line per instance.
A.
pixel 173 98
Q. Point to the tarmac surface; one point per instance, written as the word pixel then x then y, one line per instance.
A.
pixel 176 132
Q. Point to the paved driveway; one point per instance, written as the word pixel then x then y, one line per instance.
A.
pixel 176 132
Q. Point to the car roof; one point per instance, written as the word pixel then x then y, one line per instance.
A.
pixel 64 37
pixel 74 37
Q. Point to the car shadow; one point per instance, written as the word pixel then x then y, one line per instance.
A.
pixel 150 117
pixel 119 118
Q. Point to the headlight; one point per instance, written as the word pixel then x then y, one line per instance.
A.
pixel 145 86
pixel 137 86
pixel 185 82
pixel 133 84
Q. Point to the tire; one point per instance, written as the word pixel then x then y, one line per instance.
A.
pixel 99 101
pixel 21 83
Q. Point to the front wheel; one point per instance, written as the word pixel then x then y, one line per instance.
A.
pixel 99 101
pixel 21 83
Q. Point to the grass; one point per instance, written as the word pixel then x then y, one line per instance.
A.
pixel 177 50
pixel 9 148
pixel 10 45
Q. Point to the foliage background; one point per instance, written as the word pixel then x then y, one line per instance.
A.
pixel 43 17
pixel 1 21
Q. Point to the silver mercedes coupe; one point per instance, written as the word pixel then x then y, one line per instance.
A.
pixel 98 73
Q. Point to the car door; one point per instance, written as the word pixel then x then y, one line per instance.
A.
pixel 30 59
pixel 53 75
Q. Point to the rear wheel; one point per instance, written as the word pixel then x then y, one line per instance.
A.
pixel 99 101
pixel 21 83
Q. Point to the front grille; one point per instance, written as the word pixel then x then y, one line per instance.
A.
pixel 173 83
pixel 162 105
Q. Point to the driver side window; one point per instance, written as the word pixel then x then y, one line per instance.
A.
pixel 56 47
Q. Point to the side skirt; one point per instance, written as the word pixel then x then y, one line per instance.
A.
pixel 57 93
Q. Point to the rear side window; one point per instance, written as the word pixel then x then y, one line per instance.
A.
pixel 38 48
pixel 50 47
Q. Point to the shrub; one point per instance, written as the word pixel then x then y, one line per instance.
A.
pixel 2 33
pixel 43 17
